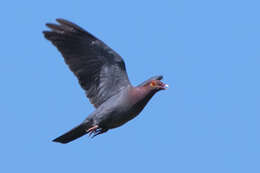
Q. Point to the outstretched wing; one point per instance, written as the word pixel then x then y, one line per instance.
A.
pixel 100 70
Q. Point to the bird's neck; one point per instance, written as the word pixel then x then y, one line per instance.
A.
pixel 141 95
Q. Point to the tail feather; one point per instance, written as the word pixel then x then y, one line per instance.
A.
pixel 73 134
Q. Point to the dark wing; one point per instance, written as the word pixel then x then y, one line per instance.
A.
pixel 100 70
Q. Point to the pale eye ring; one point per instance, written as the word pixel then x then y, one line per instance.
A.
pixel 153 84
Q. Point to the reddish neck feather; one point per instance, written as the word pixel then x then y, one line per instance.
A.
pixel 142 93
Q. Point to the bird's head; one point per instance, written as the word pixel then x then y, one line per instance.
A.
pixel 155 84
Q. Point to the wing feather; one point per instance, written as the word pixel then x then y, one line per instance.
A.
pixel 100 71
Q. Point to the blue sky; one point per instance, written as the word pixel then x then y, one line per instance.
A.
pixel 208 121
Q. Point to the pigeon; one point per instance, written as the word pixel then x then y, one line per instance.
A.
pixel 101 72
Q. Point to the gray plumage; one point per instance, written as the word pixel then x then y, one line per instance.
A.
pixel 102 74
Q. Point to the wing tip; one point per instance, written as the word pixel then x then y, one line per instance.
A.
pixel 61 20
pixel 54 27
pixel 69 24
pixel 47 34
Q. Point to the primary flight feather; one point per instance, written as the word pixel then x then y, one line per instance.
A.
pixel 101 72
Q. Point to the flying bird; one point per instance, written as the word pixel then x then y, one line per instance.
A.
pixel 101 72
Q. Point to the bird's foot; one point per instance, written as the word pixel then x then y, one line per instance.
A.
pixel 92 130
pixel 99 131
pixel 95 130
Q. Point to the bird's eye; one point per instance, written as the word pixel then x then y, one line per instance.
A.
pixel 152 84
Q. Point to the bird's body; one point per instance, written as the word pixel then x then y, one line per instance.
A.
pixel 120 108
pixel 101 73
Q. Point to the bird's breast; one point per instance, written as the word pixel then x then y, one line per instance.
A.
pixel 122 108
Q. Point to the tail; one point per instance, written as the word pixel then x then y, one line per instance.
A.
pixel 73 134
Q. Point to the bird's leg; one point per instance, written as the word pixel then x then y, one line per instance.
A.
pixel 92 130
pixel 96 130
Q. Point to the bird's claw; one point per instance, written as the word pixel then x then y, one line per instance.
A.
pixel 95 130
pixel 92 130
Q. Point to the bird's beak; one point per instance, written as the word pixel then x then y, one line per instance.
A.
pixel 165 86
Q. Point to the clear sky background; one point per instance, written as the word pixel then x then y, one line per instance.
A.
pixel 207 122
